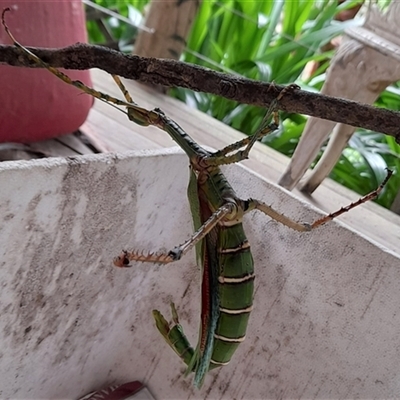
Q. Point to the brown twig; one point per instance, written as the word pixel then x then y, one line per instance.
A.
pixel 171 73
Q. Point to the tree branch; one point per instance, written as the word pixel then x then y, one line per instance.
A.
pixel 171 73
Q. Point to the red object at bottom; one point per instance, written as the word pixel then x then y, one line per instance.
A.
pixel 127 391
pixel 34 104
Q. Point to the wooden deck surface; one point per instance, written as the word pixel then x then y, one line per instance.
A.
pixel 111 131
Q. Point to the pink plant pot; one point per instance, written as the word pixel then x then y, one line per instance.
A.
pixel 34 104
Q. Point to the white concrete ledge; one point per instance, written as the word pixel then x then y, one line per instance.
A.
pixel 326 322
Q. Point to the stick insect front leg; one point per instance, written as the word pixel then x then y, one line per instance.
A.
pixel 136 114
pixel 221 157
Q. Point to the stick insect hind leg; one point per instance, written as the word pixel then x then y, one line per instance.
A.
pixel 254 204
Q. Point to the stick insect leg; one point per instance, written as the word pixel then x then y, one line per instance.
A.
pixel 370 196
pixel 277 216
pixel 244 142
pixel 173 334
pixel 123 89
pixel 304 227
pixel 221 158
pixel 176 253
pixel 136 114
pixel 78 84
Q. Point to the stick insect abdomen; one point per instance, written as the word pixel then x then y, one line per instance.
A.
pixel 236 289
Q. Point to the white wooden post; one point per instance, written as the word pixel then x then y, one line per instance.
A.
pixel 171 21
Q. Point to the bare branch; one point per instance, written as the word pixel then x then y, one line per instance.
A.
pixel 171 73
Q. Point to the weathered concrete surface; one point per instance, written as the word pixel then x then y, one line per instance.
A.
pixel 326 322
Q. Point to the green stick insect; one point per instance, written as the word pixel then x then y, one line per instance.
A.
pixel 222 250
